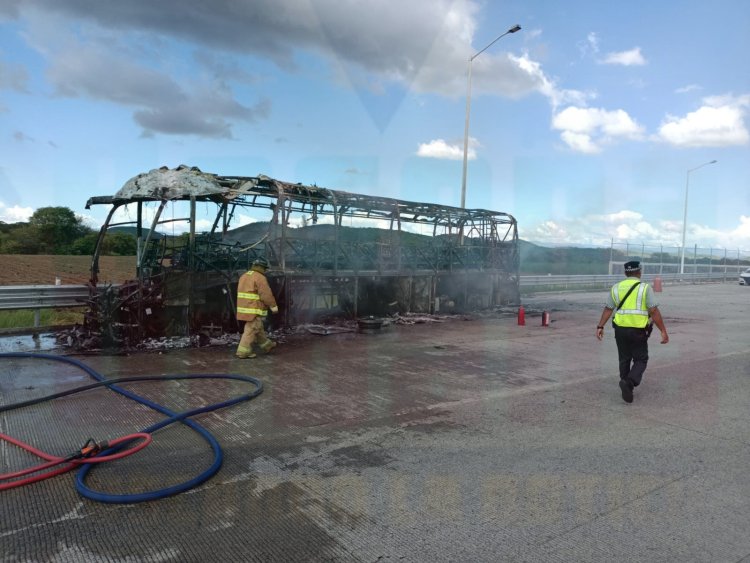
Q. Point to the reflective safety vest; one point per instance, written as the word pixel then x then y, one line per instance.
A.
pixel 633 312
pixel 249 301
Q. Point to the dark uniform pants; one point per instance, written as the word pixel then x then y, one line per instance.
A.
pixel 632 351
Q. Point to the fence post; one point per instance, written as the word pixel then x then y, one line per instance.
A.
pixel 695 261
pixel 661 259
pixel 37 321
pixel 725 265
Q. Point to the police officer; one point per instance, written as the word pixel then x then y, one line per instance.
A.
pixel 254 300
pixel 633 305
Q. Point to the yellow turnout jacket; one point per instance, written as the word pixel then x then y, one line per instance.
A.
pixel 254 296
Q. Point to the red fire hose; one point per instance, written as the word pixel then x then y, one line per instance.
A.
pixel 87 454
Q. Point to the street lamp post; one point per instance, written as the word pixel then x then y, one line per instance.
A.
pixel 468 108
pixel 684 217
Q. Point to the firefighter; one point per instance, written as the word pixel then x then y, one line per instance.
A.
pixel 254 300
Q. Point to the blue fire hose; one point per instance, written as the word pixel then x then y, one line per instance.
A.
pixel 172 417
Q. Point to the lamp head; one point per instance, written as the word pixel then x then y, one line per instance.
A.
pixel 514 28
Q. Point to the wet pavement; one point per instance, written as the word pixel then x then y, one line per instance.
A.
pixel 467 439
pixel 36 343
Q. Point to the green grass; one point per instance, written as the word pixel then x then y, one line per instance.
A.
pixel 24 318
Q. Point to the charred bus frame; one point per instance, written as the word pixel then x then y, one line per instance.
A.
pixel 320 268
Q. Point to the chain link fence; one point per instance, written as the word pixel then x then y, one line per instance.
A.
pixel 660 259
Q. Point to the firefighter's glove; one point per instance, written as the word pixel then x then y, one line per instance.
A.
pixel 274 310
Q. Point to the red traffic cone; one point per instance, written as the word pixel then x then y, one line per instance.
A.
pixel 657 283
pixel 545 318
pixel 521 316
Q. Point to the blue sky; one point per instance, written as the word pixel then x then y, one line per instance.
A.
pixel 584 124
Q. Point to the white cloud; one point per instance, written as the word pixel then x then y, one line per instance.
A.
pixel 617 217
pixel 505 74
pixel 638 231
pixel 686 89
pixel 89 220
pixel 633 57
pixel 633 227
pixel 409 37
pixel 590 45
pixel 138 71
pixel 597 230
pixel 243 219
pixel 162 103
pixel 593 41
pixel 495 72
pixel 580 142
pixel 15 214
pixel 719 122
pixel 421 44
pixel 533 33
pixel 547 231
pixel 737 237
pixel 438 148
pixel 625 225
pixel 741 234
pixel 127 213
pixel 588 129
pixel 125 55
pixel 546 86
pixel 180 211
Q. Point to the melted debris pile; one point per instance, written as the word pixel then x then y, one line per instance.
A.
pixel 79 339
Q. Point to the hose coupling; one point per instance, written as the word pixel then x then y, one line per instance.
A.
pixel 89 449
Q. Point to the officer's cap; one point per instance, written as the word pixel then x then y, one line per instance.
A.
pixel 633 266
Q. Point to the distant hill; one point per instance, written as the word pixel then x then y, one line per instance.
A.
pixel 536 259
pixel 133 231
pixel 254 232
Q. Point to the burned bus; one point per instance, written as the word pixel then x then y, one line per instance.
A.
pixel 332 254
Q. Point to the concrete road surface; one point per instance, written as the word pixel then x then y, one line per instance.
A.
pixel 468 439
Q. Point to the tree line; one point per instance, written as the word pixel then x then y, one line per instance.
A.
pixel 58 230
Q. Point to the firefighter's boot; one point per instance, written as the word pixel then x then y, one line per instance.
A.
pixel 244 353
pixel 267 346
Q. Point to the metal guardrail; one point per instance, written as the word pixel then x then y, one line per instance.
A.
pixel 37 297
pixel 42 296
pixel 58 296
pixel 606 279
pixel 571 280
